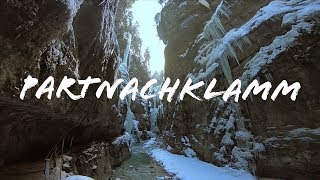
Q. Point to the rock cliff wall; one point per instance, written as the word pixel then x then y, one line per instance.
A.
pixel 74 38
pixel 272 41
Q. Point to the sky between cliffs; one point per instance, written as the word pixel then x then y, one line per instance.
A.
pixel 144 12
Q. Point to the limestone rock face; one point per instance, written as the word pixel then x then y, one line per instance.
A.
pixel 272 139
pixel 140 108
pixel 97 160
pixel 41 38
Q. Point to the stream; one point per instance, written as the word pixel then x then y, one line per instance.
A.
pixel 140 166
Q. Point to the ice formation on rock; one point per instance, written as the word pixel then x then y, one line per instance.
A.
pixel 237 145
pixel 219 50
pixel 205 3
pixel 124 139
pixel 107 34
pixel 297 20
pixel 221 46
pixel 124 74
pixel 74 6
pixel 214 28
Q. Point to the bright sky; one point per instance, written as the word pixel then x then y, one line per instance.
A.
pixel 144 12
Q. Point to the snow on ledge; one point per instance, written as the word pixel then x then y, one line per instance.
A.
pixel 191 168
pixel 300 132
pixel 124 139
pixel 149 143
pixel 78 178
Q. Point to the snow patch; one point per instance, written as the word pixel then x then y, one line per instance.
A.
pixel 124 139
pixel 241 158
pixel 78 178
pixel 149 143
pixel 169 148
pixel 244 135
pixel 185 141
pixel 226 140
pixel 189 152
pixel 190 168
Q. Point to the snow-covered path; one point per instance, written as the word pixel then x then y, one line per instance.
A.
pixel 192 168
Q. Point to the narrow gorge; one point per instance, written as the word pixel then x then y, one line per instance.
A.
pixel 115 138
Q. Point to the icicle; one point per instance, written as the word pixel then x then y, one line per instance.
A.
pixel 247 40
pixel 107 31
pixel 224 63
pixel 155 102
pixel 154 118
pixel 123 68
pixel 214 28
pixel 268 76
pixel 211 52
pixel 123 72
pixel 127 50
pixel 107 35
pixel 205 3
pixel 232 52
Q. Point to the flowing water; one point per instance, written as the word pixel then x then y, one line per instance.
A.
pixel 140 167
